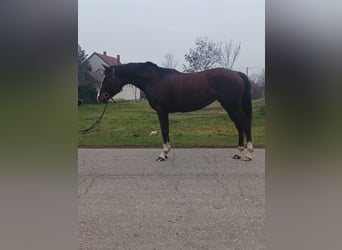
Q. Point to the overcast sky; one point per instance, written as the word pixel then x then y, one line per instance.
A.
pixel 145 30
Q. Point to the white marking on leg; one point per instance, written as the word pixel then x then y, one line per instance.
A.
pixel 250 150
pixel 162 157
pixel 166 148
pixel 165 151
pixel 238 152
pixel 250 147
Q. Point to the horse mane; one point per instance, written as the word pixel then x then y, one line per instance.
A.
pixel 138 68
pixel 162 71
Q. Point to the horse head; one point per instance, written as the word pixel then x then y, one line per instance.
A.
pixel 110 86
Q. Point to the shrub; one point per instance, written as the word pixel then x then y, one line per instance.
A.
pixel 87 93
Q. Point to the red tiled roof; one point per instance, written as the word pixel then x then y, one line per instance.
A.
pixel 108 59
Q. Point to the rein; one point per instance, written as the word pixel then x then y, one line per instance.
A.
pixel 83 131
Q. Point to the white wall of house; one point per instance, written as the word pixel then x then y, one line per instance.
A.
pixel 129 92
pixel 96 63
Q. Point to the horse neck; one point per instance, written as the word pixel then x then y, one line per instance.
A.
pixel 141 81
pixel 140 85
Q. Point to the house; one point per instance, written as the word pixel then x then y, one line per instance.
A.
pixel 96 74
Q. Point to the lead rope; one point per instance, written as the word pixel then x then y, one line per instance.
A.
pixel 83 131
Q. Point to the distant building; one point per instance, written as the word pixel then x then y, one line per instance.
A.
pixel 96 73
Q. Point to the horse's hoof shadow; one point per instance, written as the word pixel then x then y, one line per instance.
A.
pixel 238 157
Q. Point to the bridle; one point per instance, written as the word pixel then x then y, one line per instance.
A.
pixel 106 96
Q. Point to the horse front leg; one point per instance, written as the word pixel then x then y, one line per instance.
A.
pixel 164 126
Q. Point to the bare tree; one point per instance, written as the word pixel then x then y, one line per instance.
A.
pixel 230 53
pixel 169 61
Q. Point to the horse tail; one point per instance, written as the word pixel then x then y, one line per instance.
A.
pixel 246 98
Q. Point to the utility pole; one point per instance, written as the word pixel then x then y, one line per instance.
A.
pixel 247 68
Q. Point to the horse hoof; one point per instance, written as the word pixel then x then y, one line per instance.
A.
pixel 247 158
pixel 166 157
pixel 236 157
pixel 160 159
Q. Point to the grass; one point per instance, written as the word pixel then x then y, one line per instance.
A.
pixel 129 123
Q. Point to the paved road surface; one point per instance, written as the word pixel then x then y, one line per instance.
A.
pixel 197 199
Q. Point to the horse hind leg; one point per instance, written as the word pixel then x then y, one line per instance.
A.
pixel 247 131
pixel 240 147
pixel 241 123
pixel 250 150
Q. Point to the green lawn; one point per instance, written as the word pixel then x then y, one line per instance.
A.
pixel 129 123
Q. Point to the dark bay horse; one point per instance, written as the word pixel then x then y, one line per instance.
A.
pixel 169 91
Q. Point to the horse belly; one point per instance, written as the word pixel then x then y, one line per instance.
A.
pixel 191 102
pixel 188 93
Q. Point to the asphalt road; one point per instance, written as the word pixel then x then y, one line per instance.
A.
pixel 197 199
